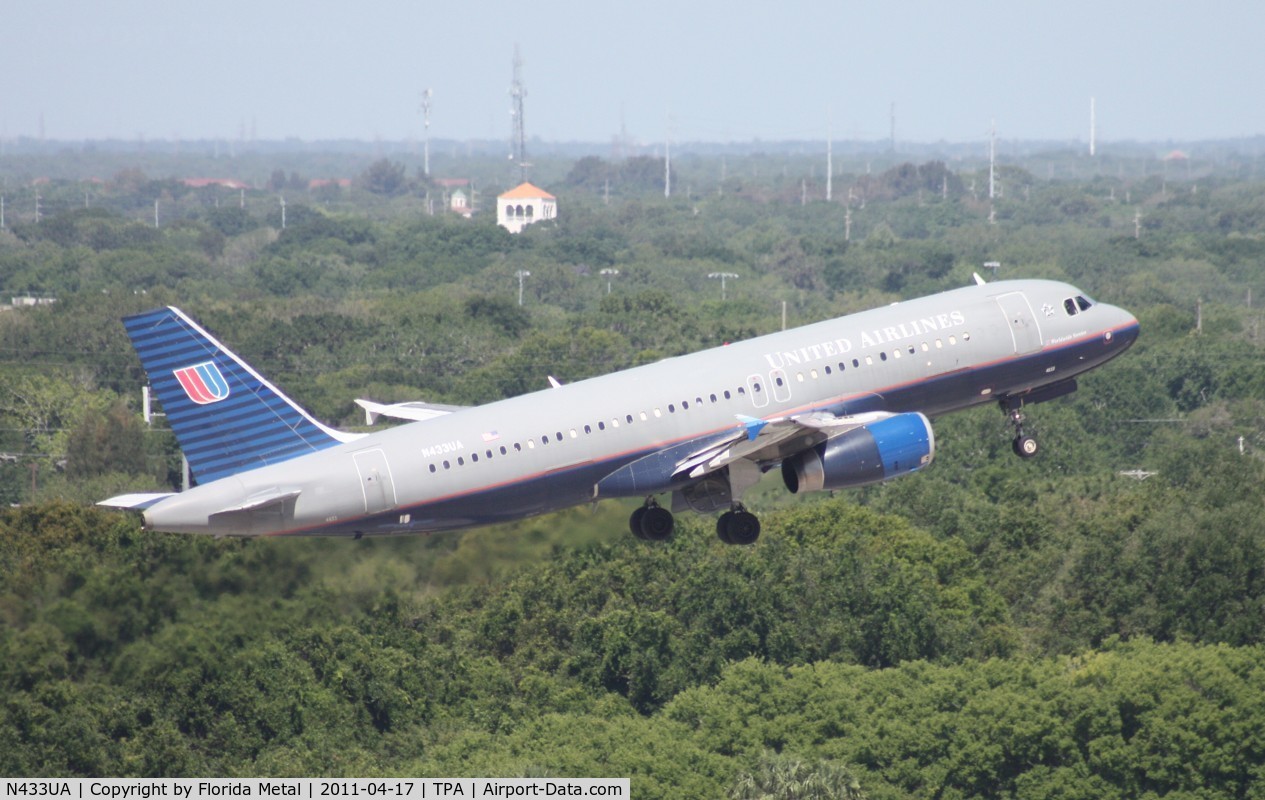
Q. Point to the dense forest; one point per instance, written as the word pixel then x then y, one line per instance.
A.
pixel 1090 623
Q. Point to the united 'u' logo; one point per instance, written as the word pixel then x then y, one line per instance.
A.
pixel 204 383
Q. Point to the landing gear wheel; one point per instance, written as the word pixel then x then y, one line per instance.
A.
pixel 634 522
pixel 657 524
pixel 738 527
pixel 1025 446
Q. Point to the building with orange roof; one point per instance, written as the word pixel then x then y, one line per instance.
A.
pixel 523 205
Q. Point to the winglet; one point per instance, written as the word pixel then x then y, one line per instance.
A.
pixel 752 425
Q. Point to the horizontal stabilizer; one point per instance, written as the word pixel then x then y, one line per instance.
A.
pixel 135 502
pixel 414 410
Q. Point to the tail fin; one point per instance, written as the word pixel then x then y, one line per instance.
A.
pixel 226 417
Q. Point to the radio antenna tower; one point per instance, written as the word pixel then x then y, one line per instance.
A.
pixel 518 139
pixel 426 96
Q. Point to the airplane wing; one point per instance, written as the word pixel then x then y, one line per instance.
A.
pixel 413 410
pixel 766 441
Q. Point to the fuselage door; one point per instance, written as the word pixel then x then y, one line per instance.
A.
pixel 375 481
pixel 757 391
pixel 1021 321
pixel 781 386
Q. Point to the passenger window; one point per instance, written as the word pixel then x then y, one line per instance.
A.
pixel 432 469
pixel 629 418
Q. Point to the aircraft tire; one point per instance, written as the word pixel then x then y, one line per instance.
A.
pixel 744 528
pixel 1026 446
pixel 722 527
pixel 657 524
pixel 738 527
pixel 634 522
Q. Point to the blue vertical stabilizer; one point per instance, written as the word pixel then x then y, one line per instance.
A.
pixel 226 417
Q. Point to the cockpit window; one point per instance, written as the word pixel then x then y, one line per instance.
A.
pixel 1077 304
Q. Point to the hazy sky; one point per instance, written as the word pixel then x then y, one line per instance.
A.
pixel 719 71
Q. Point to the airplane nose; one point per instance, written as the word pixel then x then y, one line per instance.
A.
pixel 1125 331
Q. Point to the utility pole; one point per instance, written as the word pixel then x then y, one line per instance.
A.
pixel 992 173
pixel 892 144
pixel 426 95
pixel 830 170
pixel 521 274
pixel 667 161
pixel 1093 128
pixel 283 212
pixel 723 277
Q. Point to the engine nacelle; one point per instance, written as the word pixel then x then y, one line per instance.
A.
pixel 873 452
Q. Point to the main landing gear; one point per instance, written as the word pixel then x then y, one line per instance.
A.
pixel 653 523
pixel 738 526
pixel 1024 445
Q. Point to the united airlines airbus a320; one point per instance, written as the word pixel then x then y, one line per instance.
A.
pixel 831 405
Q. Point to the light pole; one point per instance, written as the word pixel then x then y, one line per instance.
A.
pixel 608 273
pixel 522 273
pixel 724 276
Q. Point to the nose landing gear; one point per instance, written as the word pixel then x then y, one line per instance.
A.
pixel 1024 445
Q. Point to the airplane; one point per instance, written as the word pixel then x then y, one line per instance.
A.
pixel 831 405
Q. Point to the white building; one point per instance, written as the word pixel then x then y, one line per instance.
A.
pixel 523 205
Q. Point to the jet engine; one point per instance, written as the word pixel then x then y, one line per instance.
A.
pixel 869 453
